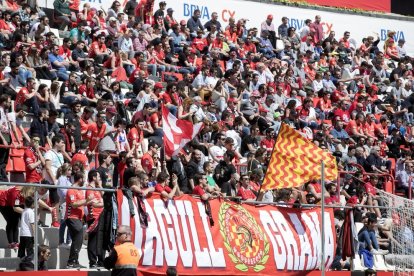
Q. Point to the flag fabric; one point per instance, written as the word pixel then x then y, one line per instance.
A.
pixel 177 133
pixel 295 161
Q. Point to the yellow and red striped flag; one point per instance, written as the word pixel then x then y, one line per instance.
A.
pixel 295 161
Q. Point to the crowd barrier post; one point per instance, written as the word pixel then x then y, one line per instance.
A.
pixel 323 217
pixel 36 231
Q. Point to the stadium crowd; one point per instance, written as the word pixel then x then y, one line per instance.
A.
pixel 85 102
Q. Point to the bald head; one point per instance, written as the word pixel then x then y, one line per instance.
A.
pixel 124 229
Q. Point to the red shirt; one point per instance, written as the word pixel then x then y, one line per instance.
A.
pixel 35 175
pixel 20 97
pixel 135 135
pixel 84 127
pixel 88 92
pixel 268 144
pixel 370 189
pixel 147 162
pixel 246 194
pixel 94 212
pixel 71 197
pixel 95 46
pixel 159 188
pixel 65 53
pixel 95 135
pixel 198 190
pixel 12 197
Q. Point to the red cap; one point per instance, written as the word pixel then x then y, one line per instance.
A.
pixel 158 85
pixel 205 103
pixel 374 87
pixel 270 17
pixel 232 100
pixel 182 22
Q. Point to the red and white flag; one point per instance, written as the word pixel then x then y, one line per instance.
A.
pixel 177 133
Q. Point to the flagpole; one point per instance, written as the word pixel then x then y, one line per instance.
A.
pixel 323 217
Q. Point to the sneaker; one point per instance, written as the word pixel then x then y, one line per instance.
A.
pixel 74 265
pixel 55 224
pixel 93 266
pixel 379 252
pixel 42 224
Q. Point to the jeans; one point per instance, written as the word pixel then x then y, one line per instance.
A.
pixel 63 225
pixel 368 239
pixel 62 75
pixel 33 104
pixel 153 69
pixel 75 227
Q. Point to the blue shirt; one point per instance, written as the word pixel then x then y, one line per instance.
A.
pixel 53 58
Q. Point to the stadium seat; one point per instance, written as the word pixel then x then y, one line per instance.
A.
pixel 379 263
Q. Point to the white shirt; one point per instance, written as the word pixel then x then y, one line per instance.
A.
pixel 218 153
pixel 57 160
pixel 26 223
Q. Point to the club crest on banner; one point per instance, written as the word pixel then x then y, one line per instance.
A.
pixel 245 241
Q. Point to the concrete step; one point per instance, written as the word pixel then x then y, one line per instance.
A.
pixel 58 258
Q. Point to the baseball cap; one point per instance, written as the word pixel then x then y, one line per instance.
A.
pixel 182 22
pixel 205 103
pixel 112 18
pixel 270 17
pixel 170 10
pixel 232 100
pixel 158 85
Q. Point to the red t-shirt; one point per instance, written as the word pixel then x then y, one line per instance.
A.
pixel 159 188
pixel 198 190
pixel 268 144
pixel 246 194
pixel 20 97
pixel 73 196
pixel 35 175
pixel 147 162
pixel 13 197
pixel 65 53
pixel 84 127
pixel 94 135
pixel 88 92
pixel 95 46
pixel 135 135
pixel 370 189
pixel 94 212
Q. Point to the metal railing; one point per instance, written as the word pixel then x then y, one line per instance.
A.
pixel 36 203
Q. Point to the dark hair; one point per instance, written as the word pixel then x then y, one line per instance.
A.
pixel 230 155
pixel 57 139
pixel 93 173
pixel 197 178
pixel 84 144
pixel 28 201
pixel 102 156
pixel 162 176
pixel 78 176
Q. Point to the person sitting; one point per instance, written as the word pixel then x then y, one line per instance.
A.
pixel 367 237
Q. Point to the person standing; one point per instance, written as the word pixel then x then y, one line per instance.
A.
pixel 5 138
pixel 54 160
pixel 95 209
pixel 124 258
pixel 27 229
pixel 75 202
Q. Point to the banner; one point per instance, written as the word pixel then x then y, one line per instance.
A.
pixel 241 238
pixel 368 5
pixel 331 21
